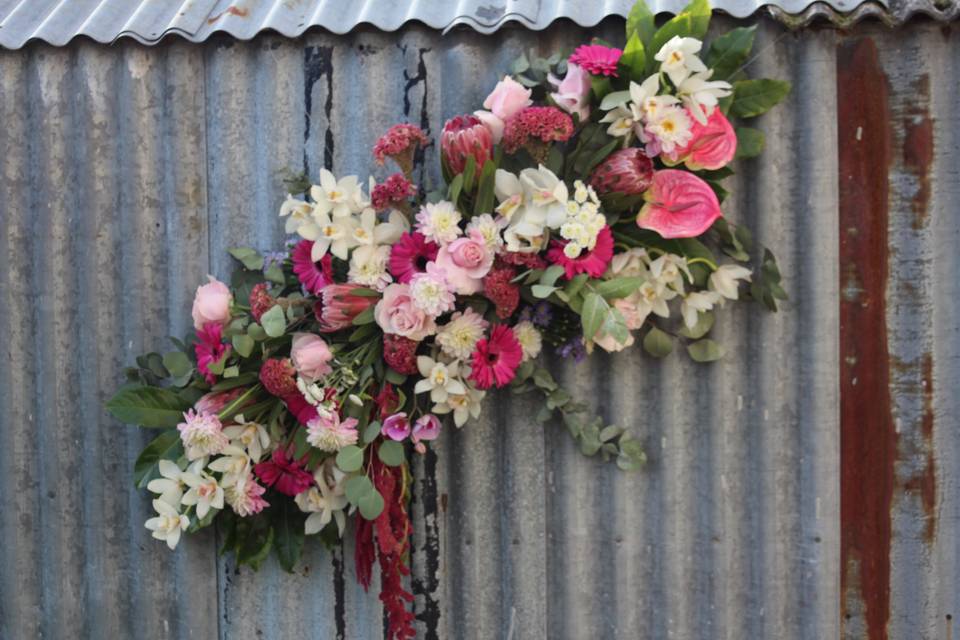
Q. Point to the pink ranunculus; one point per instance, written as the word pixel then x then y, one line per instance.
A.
pixel 508 98
pixel 397 313
pixel 712 145
pixel 310 355
pixel 396 427
pixel 573 92
pixel 211 305
pixel 465 262
pixel 493 123
pixel 464 137
pixel 337 307
pixel 679 205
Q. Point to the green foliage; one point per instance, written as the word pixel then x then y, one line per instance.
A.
pixel 633 63
pixel 752 98
pixel 288 527
pixel 692 22
pixel 766 286
pixel 249 258
pixel 350 458
pixel 274 321
pixel 705 350
pixel 640 22
pixel 728 52
pixel 749 142
pixel 391 453
pixel 153 407
pixel 657 343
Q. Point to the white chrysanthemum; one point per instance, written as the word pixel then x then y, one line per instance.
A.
pixel 439 222
pixel 490 230
pixel 430 291
pixel 672 127
pixel 459 337
pixel 726 280
pixel 202 434
pixel 368 266
pixel 529 338
pixel 168 524
pixel 328 433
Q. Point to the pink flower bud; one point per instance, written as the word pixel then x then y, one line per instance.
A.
pixel 627 171
pixel 508 98
pixel 211 305
pixel 462 137
pixel 679 205
pixel 311 356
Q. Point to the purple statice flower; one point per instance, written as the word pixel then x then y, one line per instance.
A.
pixel 573 348
pixel 542 315
pixel 273 258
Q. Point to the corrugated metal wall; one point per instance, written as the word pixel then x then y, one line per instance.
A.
pixel 125 173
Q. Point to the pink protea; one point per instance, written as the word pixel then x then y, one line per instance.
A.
pixel 278 376
pixel 495 360
pixel 597 59
pixel 209 349
pixel 628 171
pixel 284 474
pixel 679 205
pixel 711 146
pixel 392 192
pixel 498 288
pixel 536 125
pixel 260 300
pixel 410 255
pixel 337 307
pixel 400 353
pixel 314 276
pixel 215 401
pixel 463 137
pixel 593 262
pixel 399 143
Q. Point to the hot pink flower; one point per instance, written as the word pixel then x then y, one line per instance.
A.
pixel 679 205
pixel 410 255
pixel 592 263
pixel 627 171
pixel 284 474
pixel 314 276
pixel 298 406
pixel 337 307
pixel 465 262
pixel 211 304
pixel 463 137
pixel 573 92
pixel 495 360
pixel 544 124
pixel 209 349
pixel 427 427
pixel 396 427
pixel 499 289
pixel 394 190
pixel 310 355
pixel 712 145
pixel 597 59
pixel 397 313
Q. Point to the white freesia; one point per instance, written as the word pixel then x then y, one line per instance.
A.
pixel 438 378
pixel 325 501
pixel 698 91
pixel 463 406
pixel 652 298
pixel 372 232
pixel 678 58
pixel 168 524
pixel 338 198
pixel 726 280
pixel 251 436
pixel 695 303
pixel 170 484
pixel 205 492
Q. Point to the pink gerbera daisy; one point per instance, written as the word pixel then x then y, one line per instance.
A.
pixel 314 276
pixel 495 360
pixel 597 59
pixel 592 263
pixel 410 255
pixel 284 474
pixel 209 349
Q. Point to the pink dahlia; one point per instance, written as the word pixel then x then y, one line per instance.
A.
pixel 400 142
pixel 314 276
pixel 593 262
pixel 463 137
pixel 260 300
pixel 536 124
pixel 392 192
pixel 627 171
pixel 284 474
pixel 201 434
pixel 410 255
pixel 495 360
pixel 337 307
pixel 210 349
pixel 679 205
pixel 400 353
pixel 597 59
pixel 278 377
pixel 499 289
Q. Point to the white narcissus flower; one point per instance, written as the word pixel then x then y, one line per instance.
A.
pixel 438 378
pixel 544 190
pixel 371 232
pixel 652 298
pixel 333 235
pixel 368 266
pixel 299 213
pixel 678 58
pixel 725 280
pixel 463 406
pixel 337 198
pixel 234 464
pixel 168 524
pixel 325 501
pixel 205 492
pixel 669 269
pixel 696 302
pixel 698 91
pixel 170 485
pixel 251 436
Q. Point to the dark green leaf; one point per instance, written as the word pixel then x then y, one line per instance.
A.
pixel 657 343
pixel 749 142
pixel 728 52
pixel 754 97
pixel 485 191
pixel 147 406
pixel 705 350
pixel 166 446
pixel 288 529
pixel 250 258
pixel 364 317
pixel 391 453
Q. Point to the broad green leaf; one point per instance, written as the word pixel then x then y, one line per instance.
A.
pixel 657 343
pixel 456 186
pixel 250 258
pixel 166 446
pixel 469 173
pixel 254 546
pixel 728 52
pixel 593 314
pixel 391 453
pixel 288 533
pixel 485 190
pixel 551 274
pixel 274 273
pixel 274 321
pixel 542 290
pixel 243 344
pixel 752 98
pixel 357 488
pixel 350 458
pixel 749 142
pixel 177 363
pixel 574 286
pixel 148 407
pixel 692 22
pixel 618 287
pixel 364 317
pixel 371 432
pixel 256 332
pixel 640 21
pixel 705 350
pixel 233 383
pixel 371 505
pixel 633 62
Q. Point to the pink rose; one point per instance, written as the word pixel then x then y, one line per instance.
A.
pixel 396 427
pixel 573 91
pixel 679 205
pixel 311 356
pixel 211 305
pixel 712 145
pixel 508 98
pixel 465 262
pixel 493 123
pixel 396 313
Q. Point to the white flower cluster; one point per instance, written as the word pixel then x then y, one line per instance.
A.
pixel 584 221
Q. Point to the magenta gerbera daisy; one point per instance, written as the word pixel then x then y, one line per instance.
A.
pixel 495 359
pixel 410 255
pixel 597 59
pixel 593 262
pixel 314 276
pixel 209 349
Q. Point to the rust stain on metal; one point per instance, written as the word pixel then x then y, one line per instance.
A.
pixel 232 10
pixel 918 148
pixel 868 439
pixel 925 482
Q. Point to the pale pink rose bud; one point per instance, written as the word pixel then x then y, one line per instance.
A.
pixel 462 137
pixel 712 145
pixel 311 356
pixel 211 305
pixel 573 92
pixel 679 205
pixel 508 98
pixel 493 123
pixel 627 171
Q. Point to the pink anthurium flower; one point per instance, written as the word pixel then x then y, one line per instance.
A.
pixel 679 205
pixel 712 145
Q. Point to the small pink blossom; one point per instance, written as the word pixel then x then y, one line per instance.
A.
pixel 679 205
pixel 215 401
pixel 396 427
pixel 245 497
pixel 466 261
pixel 211 304
pixel 573 92
pixel 202 434
pixel 328 433
pixel 426 428
pixel 311 356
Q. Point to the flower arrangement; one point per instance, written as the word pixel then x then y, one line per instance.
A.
pixel 581 209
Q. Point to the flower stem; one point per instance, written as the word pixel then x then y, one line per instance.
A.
pixel 231 408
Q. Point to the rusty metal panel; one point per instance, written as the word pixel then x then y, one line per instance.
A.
pixel 823 447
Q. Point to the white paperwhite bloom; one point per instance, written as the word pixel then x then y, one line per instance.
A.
pixel 205 492
pixel 370 232
pixel 529 338
pixel 489 229
pixel 696 302
pixel 234 464
pixel 630 263
pixel 333 235
pixel 338 198
pixel 368 266
pixel 463 406
pixel 300 217
pixel 170 485
pixel 652 298
pixel 529 204
pixel 672 127
pixel 438 378
pixel 678 58
pixel 698 91
pixel 627 108
pixel 726 280
pixel 168 524
pixel 668 270
pixel 439 222
pixel 325 501
pixel 251 436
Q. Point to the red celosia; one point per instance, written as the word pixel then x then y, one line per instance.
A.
pixel 278 376
pixel 410 255
pixel 464 137
pixel 526 260
pixel 393 191
pixel 209 349
pixel 337 307
pixel 284 474
pixel 592 263
pixel 400 353
pixel 597 59
pixel 314 276
pixel 627 171
pixel 500 291
pixel 495 360
pixel 260 300
pixel 399 143
pixel 532 124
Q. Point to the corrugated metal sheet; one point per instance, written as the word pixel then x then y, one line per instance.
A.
pixel 59 21
pixel 126 171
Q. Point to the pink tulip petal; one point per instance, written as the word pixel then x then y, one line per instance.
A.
pixel 679 205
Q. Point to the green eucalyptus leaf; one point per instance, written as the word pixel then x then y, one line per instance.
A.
pixel 250 258
pixel 617 288
pixel 542 290
pixel 243 344
pixel 371 431
pixel 391 453
pixel 702 328
pixel 705 350
pixel 551 274
pixel 356 488
pixel 274 321
pixel 350 458
pixel 177 363
pixel 371 505
pixel 657 343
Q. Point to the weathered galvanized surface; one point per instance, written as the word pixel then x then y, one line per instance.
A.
pixel 125 172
